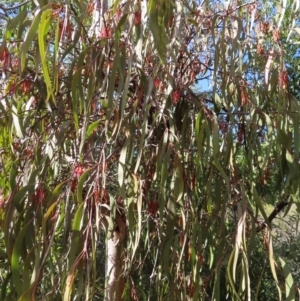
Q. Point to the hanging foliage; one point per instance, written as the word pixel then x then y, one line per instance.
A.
pixel 152 134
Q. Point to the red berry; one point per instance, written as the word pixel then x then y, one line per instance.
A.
pixel 105 32
pixel 137 18
pixel 78 171
pixel 40 195
pixel 153 207
pixel 176 96
pixel 156 82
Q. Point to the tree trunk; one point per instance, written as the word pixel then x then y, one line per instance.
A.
pixel 115 282
pixel 114 262
pixel 100 8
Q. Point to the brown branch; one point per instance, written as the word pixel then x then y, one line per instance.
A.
pixel 279 207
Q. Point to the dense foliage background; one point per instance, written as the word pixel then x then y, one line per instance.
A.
pixel 149 150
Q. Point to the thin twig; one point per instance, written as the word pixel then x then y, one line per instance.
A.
pixel 14 7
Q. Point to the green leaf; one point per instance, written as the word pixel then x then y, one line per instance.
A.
pixel 15 261
pixel 19 196
pixel 138 229
pixel 77 224
pixel 112 83
pixel 119 28
pixel 63 131
pixel 4 286
pixel 91 128
pixel 13 23
pixel 81 182
pixel 13 176
pixel 289 282
pixel 43 29
pixel 157 28
pixel 55 59
pixel 77 87
pixel 272 264
pixel 259 204
pixel 17 123
pixel 29 37
pixel 230 275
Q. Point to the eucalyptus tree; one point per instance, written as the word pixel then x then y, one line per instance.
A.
pixel 110 149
